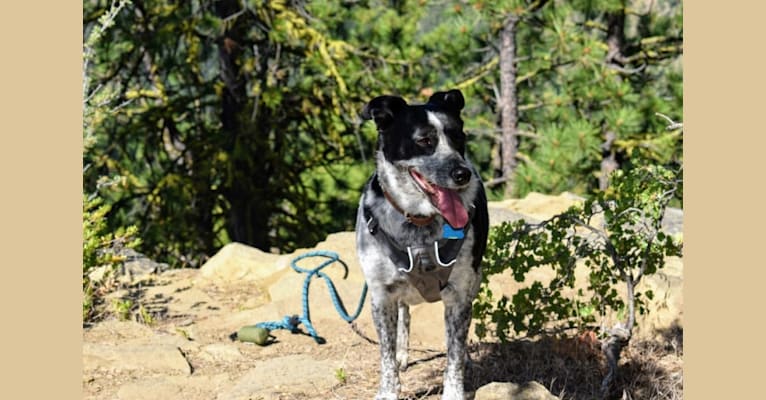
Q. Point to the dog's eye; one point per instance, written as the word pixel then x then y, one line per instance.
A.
pixel 425 142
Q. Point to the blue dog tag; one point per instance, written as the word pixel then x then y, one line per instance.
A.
pixel 448 232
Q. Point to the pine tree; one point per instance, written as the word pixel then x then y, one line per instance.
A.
pixel 238 120
pixel 589 78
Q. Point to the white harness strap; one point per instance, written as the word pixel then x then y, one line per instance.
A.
pixel 412 262
pixel 438 258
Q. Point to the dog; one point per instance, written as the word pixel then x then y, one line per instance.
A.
pixel 421 229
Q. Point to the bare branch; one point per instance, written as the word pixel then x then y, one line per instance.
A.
pixel 493 133
pixel 673 125
pixel 626 71
pixel 496 181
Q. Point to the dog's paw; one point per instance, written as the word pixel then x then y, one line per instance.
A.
pixel 386 396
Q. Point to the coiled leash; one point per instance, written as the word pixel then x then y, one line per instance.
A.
pixel 291 322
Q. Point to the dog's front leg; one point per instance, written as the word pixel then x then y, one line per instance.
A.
pixel 384 315
pixel 403 336
pixel 457 318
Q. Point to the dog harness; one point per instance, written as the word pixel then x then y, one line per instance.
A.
pixel 426 267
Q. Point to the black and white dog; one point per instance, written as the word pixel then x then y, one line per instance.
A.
pixel 421 229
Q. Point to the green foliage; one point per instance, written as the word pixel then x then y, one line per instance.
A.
pixel 102 248
pixel 122 308
pixel 341 376
pixel 238 120
pixel 616 236
pixel 571 97
pixel 228 111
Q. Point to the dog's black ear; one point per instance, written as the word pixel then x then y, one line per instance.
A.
pixel 382 110
pixel 452 100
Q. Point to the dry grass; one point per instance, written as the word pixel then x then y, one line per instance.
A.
pixel 654 369
pixel 571 369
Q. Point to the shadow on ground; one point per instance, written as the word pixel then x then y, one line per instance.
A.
pixel 573 368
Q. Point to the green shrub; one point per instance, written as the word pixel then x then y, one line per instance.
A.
pixel 616 235
pixel 102 250
pixel 102 253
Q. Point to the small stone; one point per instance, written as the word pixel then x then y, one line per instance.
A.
pixel 98 274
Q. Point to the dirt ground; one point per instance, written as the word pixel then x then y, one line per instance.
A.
pixel 187 352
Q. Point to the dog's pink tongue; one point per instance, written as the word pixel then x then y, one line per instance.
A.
pixel 451 207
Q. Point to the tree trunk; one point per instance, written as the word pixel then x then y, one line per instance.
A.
pixel 248 218
pixel 508 104
pixel 608 160
pixel 619 335
pixel 615 41
pixel 615 38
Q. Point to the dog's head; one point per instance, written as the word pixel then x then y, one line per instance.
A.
pixel 426 144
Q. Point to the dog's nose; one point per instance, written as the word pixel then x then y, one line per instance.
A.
pixel 461 175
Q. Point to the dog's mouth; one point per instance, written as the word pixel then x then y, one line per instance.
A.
pixel 446 200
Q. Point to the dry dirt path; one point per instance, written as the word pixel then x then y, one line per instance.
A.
pixel 187 352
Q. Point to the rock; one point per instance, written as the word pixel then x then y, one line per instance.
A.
pixel 673 220
pixel 512 391
pixel 174 387
pixel 99 274
pixel 290 287
pixel 237 262
pixel 161 358
pixel 241 286
pixel 222 352
pixel 536 207
pixel 118 330
pixel 178 297
pixel 533 208
pixel 137 265
pixel 666 309
pixel 289 374
pixel 499 214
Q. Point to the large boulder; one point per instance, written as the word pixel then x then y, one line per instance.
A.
pixel 237 262
pixel 533 208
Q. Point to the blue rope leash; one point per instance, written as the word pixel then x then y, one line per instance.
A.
pixel 291 322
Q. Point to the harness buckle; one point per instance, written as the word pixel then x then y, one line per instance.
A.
pixel 372 224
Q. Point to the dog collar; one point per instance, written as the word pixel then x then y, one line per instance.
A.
pixel 413 219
